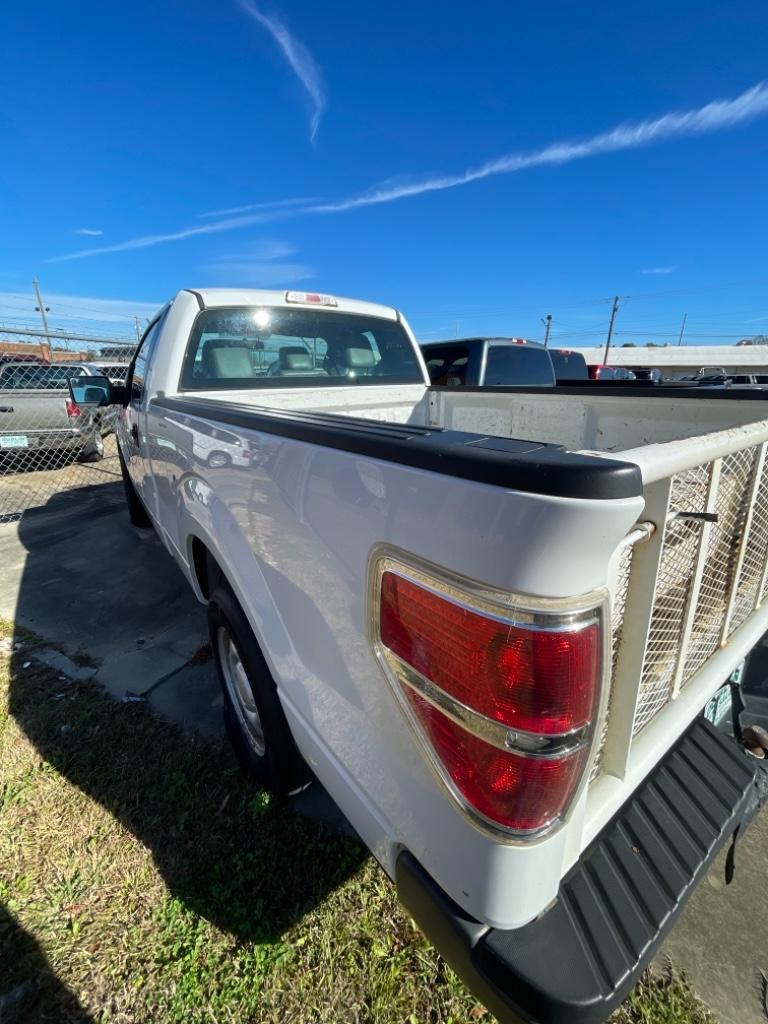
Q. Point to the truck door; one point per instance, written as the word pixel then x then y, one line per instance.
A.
pixel 133 422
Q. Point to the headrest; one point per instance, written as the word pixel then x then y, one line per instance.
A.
pixel 359 358
pixel 295 358
pixel 223 359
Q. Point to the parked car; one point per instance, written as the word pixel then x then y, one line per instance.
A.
pixel 37 415
pixel 569 365
pixel 488 362
pixel 487 620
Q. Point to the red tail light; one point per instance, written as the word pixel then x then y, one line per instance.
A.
pixel 505 704
pixel 72 409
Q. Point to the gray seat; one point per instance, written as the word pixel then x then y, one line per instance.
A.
pixel 294 361
pixel 224 359
pixel 359 359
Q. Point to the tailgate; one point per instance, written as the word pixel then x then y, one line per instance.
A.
pixel 29 411
pixel 689 603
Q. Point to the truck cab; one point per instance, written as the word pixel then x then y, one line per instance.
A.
pixel 488 362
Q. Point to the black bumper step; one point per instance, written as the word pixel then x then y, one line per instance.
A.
pixel 578 961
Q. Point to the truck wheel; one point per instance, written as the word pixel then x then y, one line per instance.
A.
pixel 137 514
pixel 93 450
pixel 255 721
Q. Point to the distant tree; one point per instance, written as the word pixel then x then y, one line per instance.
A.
pixel 629 344
pixel 745 341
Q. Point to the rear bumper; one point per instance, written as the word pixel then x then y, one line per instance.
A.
pixel 580 959
pixel 50 439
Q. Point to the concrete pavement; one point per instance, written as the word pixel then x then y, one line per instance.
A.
pixel 114 607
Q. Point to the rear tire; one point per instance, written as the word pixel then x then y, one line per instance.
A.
pixel 137 514
pixel 93 450
pixel 253 716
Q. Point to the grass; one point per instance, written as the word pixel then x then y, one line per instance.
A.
pixel 144 879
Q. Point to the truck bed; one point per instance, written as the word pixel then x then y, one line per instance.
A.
pixel 692 580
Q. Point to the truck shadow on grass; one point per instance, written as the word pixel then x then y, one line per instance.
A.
pixel 226 850
pixel 23 1000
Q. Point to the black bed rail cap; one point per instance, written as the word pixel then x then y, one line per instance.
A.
pixel 516 464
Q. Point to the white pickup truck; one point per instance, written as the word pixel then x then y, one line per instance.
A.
pixel 487 621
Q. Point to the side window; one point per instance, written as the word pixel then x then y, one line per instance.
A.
pixel 138 370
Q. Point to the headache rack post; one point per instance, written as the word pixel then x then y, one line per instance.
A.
pixel 631 653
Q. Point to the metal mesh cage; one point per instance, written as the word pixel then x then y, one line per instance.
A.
pixel 717 580
pixel 755 555
pixel 680 548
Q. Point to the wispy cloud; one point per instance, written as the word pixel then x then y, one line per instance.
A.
pixel 716 116
pixel 265 263
pixel 659 270
pixel 89 231
pixel 276 204
pixel 756 320
pixel 298 56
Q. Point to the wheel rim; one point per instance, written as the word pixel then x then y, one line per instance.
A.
pixel 239 690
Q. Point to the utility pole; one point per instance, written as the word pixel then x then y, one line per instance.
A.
pixel 682 328
pixel 41 309
pixel 614 311
pixel 547 321
pixel 138 328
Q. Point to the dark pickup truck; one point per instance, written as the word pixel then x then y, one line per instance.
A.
pixel 488 362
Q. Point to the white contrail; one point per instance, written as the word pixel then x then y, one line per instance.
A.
pixel 713 117
pixel 147 241
pixel 275 204
pixel 298 56
pixel 89 231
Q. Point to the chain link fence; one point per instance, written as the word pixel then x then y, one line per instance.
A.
pixel 48 444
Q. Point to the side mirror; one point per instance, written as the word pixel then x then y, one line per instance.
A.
pixel 94 391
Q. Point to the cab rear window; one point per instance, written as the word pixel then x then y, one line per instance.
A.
pixel 569 365
pixel 261 347
pixel 24 377
pixel 518 365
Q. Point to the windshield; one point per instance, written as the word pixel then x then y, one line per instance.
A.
pixel 260 347
pixel 518 364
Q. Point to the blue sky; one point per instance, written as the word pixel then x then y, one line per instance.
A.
pixel 134 122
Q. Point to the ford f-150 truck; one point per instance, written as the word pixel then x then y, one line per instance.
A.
pixel 487 621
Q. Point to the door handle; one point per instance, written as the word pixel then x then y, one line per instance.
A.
pixel 135 434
